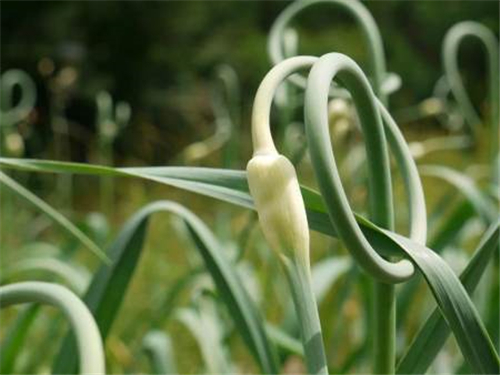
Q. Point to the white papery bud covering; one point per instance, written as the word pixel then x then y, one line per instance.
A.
pixel 282 214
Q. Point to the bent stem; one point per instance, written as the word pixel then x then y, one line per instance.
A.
pixel 299 279
pixel 453 39
pixel 338 67
pixel 87 334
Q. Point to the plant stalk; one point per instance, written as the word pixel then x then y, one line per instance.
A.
pixel 384 355
pixel 299 279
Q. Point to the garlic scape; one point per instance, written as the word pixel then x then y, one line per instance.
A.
pixel 274 187
pixel 282 215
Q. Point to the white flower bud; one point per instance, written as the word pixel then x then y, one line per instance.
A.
pixel 282 215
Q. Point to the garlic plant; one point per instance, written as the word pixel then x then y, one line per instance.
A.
pixel 268 170
pixel 275 189
pixel 11 113
pixel 330 67
pixel 274 186
pixel 453 39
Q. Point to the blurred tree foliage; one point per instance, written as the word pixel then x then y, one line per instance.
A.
pixel 160 56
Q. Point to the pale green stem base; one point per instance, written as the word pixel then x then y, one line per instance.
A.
pixel 299 279
pixel 384 350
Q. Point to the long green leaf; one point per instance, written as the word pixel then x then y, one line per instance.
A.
pixel 53 214
pixel 109 285
pixel 432 336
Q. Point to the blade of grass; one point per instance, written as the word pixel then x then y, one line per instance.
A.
pixel 227 185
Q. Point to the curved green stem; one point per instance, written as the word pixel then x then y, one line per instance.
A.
pixel 363 19
pixel 11 113
pixel 262 138
pixel 338 66
pixel 453 39
pixel 74 277
pixel 414 191
pixel 87 334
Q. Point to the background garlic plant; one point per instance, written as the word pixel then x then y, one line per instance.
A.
pixel 13 112
pixel 451 44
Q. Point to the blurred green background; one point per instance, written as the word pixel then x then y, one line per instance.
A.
pixel 161 57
